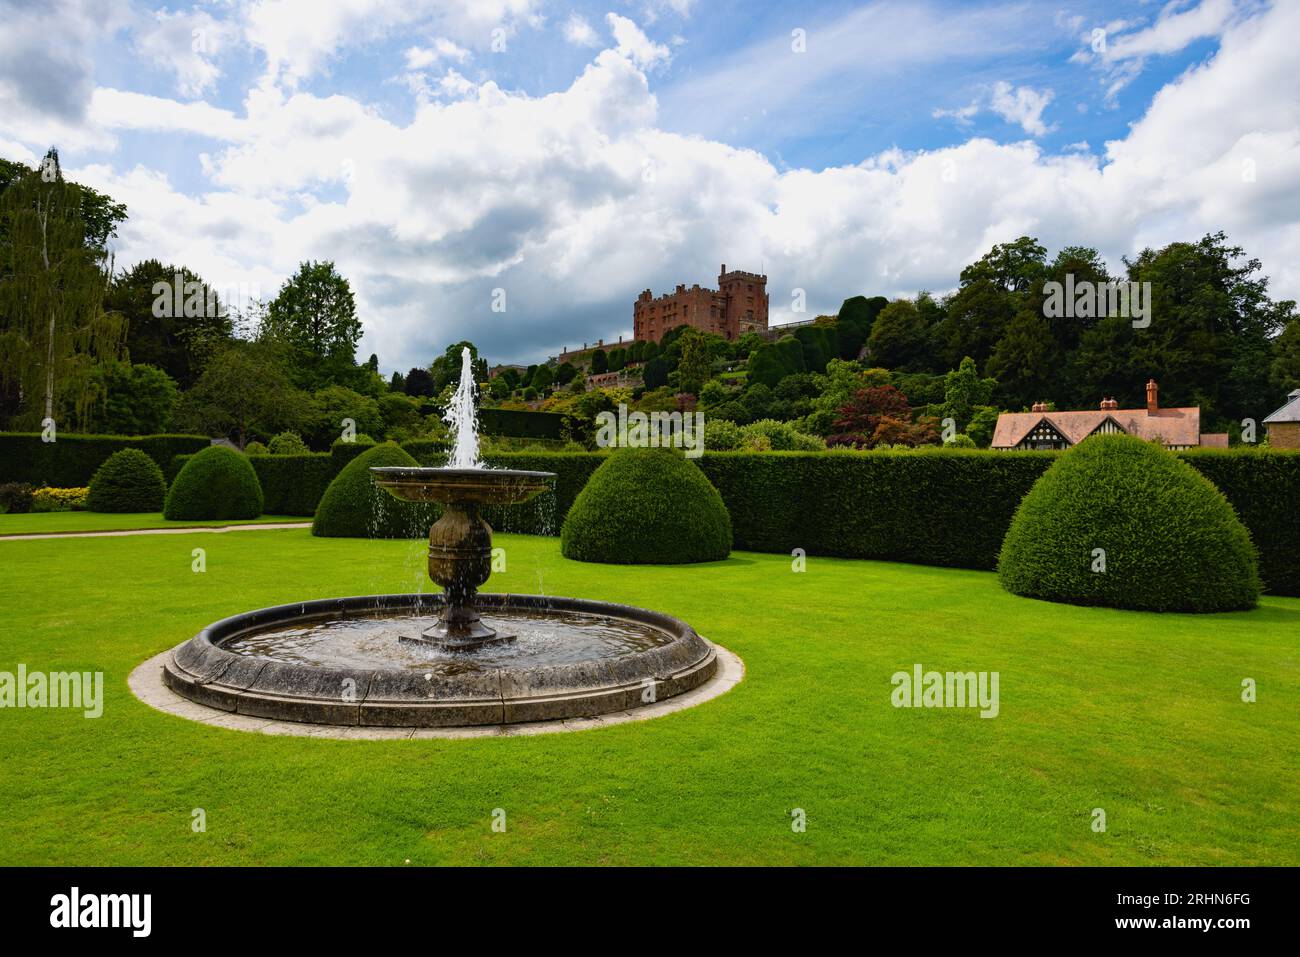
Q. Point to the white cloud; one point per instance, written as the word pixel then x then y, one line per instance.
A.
pixel 1173 30
pixel 963 115
pixel 1022 105
pixel 580 33
pixel 575 201
pixel 634 44
pixel 187 45
pixel 417 58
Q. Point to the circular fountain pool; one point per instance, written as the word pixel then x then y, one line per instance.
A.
pixel 360 661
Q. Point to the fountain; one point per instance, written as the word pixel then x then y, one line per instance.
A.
pixel 459 658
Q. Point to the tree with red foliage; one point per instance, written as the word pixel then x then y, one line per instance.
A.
pixel 880 416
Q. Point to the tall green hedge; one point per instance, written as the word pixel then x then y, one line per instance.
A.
pixel 521 423
pixel 71 460
pixel 1263 486
pixel 933 507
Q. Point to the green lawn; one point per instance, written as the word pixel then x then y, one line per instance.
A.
pixel 1138 714
pixel 32 523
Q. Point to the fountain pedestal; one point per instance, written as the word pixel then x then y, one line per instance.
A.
pixel 460 543
pixel 460 560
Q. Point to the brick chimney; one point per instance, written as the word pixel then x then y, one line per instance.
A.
pixel 1153 392
pixel 1039 407
pixel 1109 405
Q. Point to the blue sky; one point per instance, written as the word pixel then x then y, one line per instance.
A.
pixel 573 154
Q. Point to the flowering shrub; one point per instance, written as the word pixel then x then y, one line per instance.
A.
pixel 59 499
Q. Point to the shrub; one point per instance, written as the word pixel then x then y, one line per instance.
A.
pixel 355 507
pixel 960 441
pixel 59 499
pixel 721 435
pixel 128 481
pixel 15 497
pixel 293 484
pixel 217 483
pixel 256 448
pixel 1168 539
pixel 287 443
pixel 783 436
pixel 647 506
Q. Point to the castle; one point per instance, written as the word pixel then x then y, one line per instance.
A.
pixel 737 306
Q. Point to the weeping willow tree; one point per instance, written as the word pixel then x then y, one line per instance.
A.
pixel 53 278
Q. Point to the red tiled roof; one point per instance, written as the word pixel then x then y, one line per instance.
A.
pixel 1214 440
pixel 1171 426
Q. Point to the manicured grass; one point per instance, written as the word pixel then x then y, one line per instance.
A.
pixel 34 523
pixel 1138 714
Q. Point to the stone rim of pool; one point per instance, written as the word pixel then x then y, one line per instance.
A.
pixel 203 671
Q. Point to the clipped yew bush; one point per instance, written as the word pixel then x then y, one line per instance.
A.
pixel 1121 522
pixel 128 481
pixel 353 506
pixel 217 483
pixel 647 507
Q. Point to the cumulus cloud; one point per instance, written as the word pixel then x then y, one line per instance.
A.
pixel 576 200
pixel 580 33
pixel 1022 105
pixel 634 44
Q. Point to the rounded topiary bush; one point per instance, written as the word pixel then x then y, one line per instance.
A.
pixel 353 506
pixel 215 483
pixel 647 507
pixel 128 481
pixel 1121 522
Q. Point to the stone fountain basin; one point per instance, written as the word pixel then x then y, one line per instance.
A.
pixel 464 486
pixel 202 670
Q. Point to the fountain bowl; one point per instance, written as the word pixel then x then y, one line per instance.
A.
pixel 385 683
pixel 463 486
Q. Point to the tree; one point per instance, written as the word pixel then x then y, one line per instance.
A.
pixel 316 315
pixel 137 399
pixel 899 338
pixel 696 365
pixel 599 362
pixel 1285 369
pixel 330 406
pixel 244 387
pixel 655 373
pixel 563 375
pixel 173 318
pixel 876 416
pixel 53 326
pixel 418 383
pixel 397 383
pixel 543 378
pixel 446 368
pixel 100 215
pixel 964 391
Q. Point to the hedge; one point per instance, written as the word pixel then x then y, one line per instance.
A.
pixel 1263 485
pixel 355 507
pixel 521 424
pixel 72 460
pixel 933 506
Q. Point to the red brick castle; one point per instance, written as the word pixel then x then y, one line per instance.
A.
pixel 737 306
